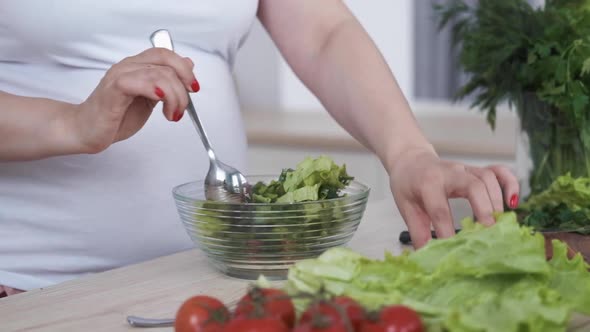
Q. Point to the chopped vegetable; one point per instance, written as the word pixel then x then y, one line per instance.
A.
pixel 280 225
pixel 482 279
pixel 312 180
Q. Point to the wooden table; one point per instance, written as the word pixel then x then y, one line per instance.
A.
pixel 156 288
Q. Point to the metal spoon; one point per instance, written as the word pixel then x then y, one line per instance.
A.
pixel 223 182
pixel 137 321
pixel 149 322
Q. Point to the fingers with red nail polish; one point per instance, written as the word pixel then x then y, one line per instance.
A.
pixel 509 184
pixel 129 90
pixel 182 67
pixel 160 93
pixel 177 116
pixel 195 86
pixel 513 201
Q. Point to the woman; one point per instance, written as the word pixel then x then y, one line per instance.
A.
pixel 86 168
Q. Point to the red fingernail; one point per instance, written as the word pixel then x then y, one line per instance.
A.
pixel 514 201
pixel 176 116
pixel 195 86
pixel 159 93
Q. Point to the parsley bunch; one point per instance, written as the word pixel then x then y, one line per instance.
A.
pixel 537 59
pixel 557 218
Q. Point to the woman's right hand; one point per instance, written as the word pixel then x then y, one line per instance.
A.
pixel 125 97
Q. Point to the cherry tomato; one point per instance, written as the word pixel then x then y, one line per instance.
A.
pixel 352 311
pixel 200 314
pixel 311 327
pixel 322 316
pixel 264 324
pixel 268 302
pixel 407 319
pixel 319 309
pixel 395 318
pixel 370 326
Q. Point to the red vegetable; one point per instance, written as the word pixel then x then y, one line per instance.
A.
pixel 254 324
pixel 353 309
pixel 331 316
pixel 320 327
pixel 201 314
pixel 267 302
pixel 395 318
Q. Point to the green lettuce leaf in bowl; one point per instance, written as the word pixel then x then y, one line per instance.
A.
pixel 313 179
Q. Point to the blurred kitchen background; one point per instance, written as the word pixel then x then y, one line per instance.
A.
pixel 285 122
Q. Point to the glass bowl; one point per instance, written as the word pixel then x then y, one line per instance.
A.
pixel 252 239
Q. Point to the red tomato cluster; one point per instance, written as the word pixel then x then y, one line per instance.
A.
pixel 271 310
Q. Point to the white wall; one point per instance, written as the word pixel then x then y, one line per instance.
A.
pixel 265 82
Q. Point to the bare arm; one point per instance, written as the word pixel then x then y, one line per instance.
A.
pixel 37 128
pixel 33 128
pixel 336 59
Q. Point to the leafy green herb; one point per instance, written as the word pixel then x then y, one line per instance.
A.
pixel 483 279
pixel 537 59
pixel 558 218
pixel 565 206
pixel 312 180
pixel 510 48
pixel 573 192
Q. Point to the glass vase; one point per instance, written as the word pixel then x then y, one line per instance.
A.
pixel 549 144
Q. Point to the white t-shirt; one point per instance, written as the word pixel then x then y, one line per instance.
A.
pixel 64 217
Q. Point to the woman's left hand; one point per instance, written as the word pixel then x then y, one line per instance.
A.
pixel 422 184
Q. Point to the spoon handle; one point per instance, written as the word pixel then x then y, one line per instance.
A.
pixel 161 38
pixel 193 114
pixel 149 322
pixel 137 321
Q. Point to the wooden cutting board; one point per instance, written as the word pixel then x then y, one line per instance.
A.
pixel 576 243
